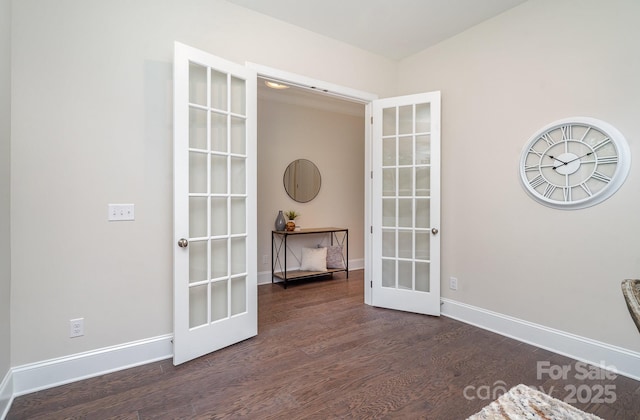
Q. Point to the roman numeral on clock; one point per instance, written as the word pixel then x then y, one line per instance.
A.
pixel 548 191
pixel 607 159
pixel 600 177
pixel 537 181
pixel 602 143
pixel 546 137
pixel 586 189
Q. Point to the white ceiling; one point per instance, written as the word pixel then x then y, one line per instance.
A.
pixel 394 29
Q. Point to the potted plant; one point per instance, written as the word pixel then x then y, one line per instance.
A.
pixel 291 215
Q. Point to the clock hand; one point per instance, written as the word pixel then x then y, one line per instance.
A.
pixel 580 157
pixel 555 158
pixel 572 160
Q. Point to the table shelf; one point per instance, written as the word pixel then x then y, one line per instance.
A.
pixel 279 248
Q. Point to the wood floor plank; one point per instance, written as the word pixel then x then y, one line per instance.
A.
pixel 321 353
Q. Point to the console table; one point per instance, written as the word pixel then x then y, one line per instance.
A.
pixel 279 238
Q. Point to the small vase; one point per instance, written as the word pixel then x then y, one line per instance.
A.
pixel 291 226
pixel 280 222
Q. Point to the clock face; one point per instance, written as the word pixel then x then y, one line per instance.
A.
pixel 574 163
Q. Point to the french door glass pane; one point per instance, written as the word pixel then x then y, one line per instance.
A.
pixel 389 152
pixel 238 178
pixel 238 252
pixel 238 96
pixel 197 128
pixel 197 217
pixel 405 151
pixel 197 84
pixel 218 90
pixel 218 174
pixel 405 275
pixel 405 244
pixel 405 212
pixel 197 306
pixel 389 122
pixel 422 245
pixel 218 300
pixel 422 276
pixel 218 132
pixel 405 118
pixel 389 212
pixel 388 243
pixel 197 261
pixel 405 181
pixel 218 216
pixel 389 182
pixel 238 295
pixel 197 172
pixel 219 258
pixel 238 216
pixel 238 134
pixel 423 118
pixel 423 181
pixel 423 150
pixel 389 273
pixel 422 213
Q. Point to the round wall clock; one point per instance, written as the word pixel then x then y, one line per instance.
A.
pixel 574 163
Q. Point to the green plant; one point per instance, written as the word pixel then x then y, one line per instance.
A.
pixel 291 214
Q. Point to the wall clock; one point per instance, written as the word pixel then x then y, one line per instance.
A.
pixel 574 163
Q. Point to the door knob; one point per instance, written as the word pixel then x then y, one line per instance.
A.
pixel 183 243
pixel 434 231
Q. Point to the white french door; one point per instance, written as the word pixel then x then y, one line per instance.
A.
pixel 405 193
pixel 215 272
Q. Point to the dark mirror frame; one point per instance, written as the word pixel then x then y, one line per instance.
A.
pixel 302 180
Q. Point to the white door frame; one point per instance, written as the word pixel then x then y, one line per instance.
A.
pixel 353 95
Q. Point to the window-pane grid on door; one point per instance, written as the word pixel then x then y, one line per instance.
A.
pixel 406 165
pixel 217 196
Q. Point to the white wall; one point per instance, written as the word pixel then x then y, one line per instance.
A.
pixel 5 163
pixel 500 82
pixel 335 143
pixel 91 125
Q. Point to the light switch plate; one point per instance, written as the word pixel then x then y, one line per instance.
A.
pixel 118 212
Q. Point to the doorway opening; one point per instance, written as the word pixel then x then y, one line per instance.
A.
pixel 324 123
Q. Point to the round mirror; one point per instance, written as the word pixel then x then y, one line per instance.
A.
pixel 302 180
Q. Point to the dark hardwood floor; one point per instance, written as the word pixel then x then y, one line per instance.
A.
pixel 321 353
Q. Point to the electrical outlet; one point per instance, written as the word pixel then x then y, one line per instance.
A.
pixel 76 327
pixel 265 259
pixel 453 283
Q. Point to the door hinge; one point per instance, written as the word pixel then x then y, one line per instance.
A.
pixel 371 174
pixel 372 284
pixel 371 227
pixel 372 119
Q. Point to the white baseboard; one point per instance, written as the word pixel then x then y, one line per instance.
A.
pixel 6 394
pixel 50 373
pixel 264 277
pixel 626 362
